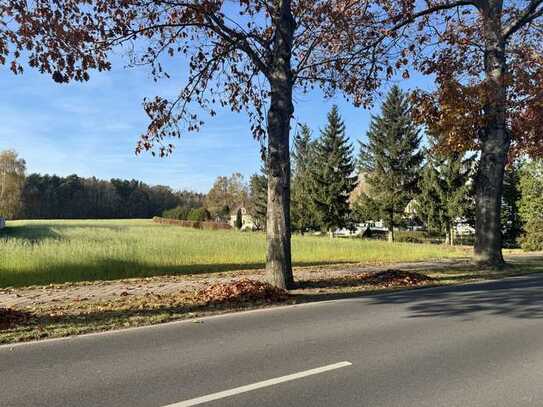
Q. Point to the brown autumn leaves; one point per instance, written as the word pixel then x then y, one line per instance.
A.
pixel 351 46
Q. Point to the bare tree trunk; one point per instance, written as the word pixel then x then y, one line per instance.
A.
pixel 495 142
pixel 391 229
pixel 391 234
pixel 448 234
pixel 278 233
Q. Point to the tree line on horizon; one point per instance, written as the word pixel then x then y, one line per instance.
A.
pixel 39 196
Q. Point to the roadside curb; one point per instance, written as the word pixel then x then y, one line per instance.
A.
pixel 121 331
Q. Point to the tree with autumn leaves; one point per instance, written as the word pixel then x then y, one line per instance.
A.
pixel 250 55
pixel 12 179
pixel 487 60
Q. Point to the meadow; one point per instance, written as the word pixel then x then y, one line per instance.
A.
pixel 55 251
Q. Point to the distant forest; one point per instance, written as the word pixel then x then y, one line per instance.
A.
pixel 73 197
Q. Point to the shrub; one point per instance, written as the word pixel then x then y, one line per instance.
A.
pixel 466 240
pixel 199 215
pixel 533 238
pixel 408 239
pixel 215 226
pixel 179 213
pixel 193 224
pixel 531 205
pixel 375 234
pixel 411 236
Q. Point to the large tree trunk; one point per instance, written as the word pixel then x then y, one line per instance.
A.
pixel 495 143
pixel 278 260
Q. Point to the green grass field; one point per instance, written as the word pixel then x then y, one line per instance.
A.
pixel 43 252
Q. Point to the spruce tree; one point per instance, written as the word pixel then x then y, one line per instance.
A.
pixel 429 206
pixel 445 190
pixel 333 179
pixel 391 162
pixel 510 217
pixel 303 212
pixel 239 219
pixel 531 205
pixel 258 202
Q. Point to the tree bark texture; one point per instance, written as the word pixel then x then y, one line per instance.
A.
pixel 278 232
pixel 495 142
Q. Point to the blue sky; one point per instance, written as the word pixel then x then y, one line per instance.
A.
pixel 91 129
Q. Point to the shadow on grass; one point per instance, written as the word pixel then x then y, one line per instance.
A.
pixel 30 233
pixel 111 269
pixel 35 232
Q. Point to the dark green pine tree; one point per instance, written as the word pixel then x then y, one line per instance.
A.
pixel 239 219
pixel 531 204
pixel 303 211
pixel 258 198
pixel 333 179
pixel 429 206
pixel 390 162
pixel 511 220
pixel 445 188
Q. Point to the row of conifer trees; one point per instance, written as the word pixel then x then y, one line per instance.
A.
pixel 398 177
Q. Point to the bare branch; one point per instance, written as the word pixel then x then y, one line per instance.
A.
pixel 530 14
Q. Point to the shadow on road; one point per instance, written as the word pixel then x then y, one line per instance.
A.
pixel 521 297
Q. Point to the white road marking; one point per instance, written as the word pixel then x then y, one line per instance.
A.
pixel 258 385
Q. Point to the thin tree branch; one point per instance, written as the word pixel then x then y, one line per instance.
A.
pixel 530 14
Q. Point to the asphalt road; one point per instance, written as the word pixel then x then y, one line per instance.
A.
pixel 475 345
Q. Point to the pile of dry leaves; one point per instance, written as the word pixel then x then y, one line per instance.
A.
pixel 240 291
pixel 10 317
pixel 394 278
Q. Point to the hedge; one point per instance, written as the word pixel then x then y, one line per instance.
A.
pixel 193 224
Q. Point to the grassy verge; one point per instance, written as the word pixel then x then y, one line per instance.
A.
pixel 45 252
pixel 77 317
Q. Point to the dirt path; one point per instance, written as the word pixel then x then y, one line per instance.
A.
pixel 106 290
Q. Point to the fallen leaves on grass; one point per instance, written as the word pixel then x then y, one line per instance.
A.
pixel 241 291
pixel 393 278
pixel 10 317
pixel 382 279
